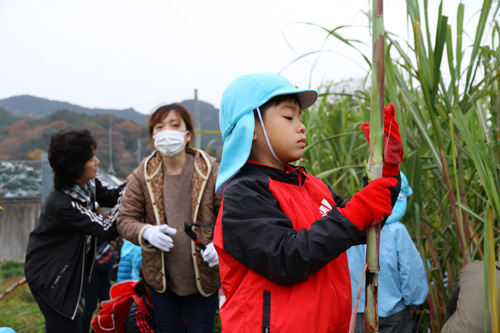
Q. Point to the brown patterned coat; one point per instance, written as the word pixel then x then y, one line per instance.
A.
pixel 143 205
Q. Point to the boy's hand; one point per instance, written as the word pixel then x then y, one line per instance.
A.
pixel 371 205
pixel 393 149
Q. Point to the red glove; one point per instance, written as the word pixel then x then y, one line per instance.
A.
pixel 369 206
pixel 393 149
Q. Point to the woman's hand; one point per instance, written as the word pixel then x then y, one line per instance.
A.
pixel 158 236
pixel 210 255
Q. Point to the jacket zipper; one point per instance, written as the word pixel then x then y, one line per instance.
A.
pixel 94 243
pixel 266 312
pixel 81 280
pixel 302 193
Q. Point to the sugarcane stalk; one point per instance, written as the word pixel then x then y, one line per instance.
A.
pixel 356 302
pixel 375 163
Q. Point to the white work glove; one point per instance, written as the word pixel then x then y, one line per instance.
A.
pixel 210 255
pixel 158 236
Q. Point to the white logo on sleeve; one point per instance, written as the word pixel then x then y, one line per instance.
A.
pixel 325 207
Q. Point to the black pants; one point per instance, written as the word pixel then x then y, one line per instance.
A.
pixel 56 322
pixel 174 313
pixel 400 322
pixel 96 290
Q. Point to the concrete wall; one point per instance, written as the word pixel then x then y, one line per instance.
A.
pixel 16 222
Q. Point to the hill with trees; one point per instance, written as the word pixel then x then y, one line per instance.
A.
pixel 27 106
pixel 25 130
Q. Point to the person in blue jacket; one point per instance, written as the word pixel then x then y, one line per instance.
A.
pixel 130 262
pixel 402 282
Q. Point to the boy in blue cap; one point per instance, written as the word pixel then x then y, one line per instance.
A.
pixel 281 234
pixel 402 282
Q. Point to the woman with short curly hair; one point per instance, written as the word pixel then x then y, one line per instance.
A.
pixel 61 248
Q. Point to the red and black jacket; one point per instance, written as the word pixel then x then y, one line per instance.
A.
pixel 281 245
pixel 140 316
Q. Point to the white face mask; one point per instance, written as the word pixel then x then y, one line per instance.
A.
pixel 170 143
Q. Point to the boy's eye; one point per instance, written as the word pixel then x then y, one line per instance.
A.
pixel 288 118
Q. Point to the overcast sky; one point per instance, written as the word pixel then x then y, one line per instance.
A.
pixel 140 54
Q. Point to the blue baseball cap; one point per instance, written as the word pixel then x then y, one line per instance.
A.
pixel 399 208
pixel 236 119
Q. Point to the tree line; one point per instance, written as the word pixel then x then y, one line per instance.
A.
pixel 28 138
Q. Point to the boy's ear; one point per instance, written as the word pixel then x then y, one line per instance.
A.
pixel 257 124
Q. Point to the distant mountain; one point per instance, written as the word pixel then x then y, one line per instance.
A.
pixel 209 121
pixel 16 108
pixel 26 106
pixel 209 115
pixel 6 118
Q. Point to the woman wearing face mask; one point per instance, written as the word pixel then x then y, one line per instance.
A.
pixel 174 185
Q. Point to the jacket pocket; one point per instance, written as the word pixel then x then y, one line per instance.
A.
pixel 266 312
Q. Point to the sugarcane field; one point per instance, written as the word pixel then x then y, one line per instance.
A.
pixel 337 168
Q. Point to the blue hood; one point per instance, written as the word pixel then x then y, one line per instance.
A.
pixel 400 207
pixel 236 118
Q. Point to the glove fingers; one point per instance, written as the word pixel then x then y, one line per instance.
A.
pixel 390 110
pixel 390 116
pixel 210 256
pixel 167 230
pixel 393 149
pixel 394 152
pixel 171 231
pixel 209 253
pixel 391 127
pixel 384 208
pixel 384 183
pixel 370 204
pixel 165 242
pixel 365 127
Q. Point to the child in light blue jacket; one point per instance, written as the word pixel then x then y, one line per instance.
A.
pixel 130 262
pixel 402 282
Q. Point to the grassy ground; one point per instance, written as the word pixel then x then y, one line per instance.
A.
pixel 18 309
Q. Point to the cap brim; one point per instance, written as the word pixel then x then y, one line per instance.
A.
pixel 307 97
pixel 236 150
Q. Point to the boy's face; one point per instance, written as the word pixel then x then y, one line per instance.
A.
pixel 286 134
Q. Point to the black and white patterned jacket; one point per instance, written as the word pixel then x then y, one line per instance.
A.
pixel 61 248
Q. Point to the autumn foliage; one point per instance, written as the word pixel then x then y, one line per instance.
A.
pixel 27 139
